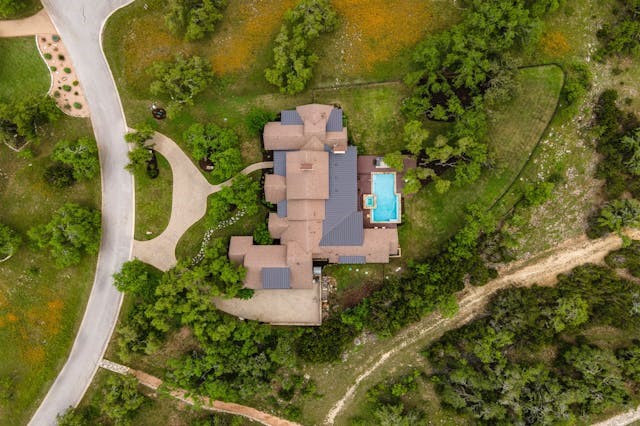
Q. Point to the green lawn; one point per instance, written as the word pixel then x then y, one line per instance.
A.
pixel 40 305
pixel 431 218
pixel 153 201
pixel 22 70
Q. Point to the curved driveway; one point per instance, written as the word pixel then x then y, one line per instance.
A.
pixel 79 23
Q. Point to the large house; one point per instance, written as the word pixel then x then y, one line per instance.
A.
pixel 331 206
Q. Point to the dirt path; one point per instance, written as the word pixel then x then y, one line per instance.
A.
pixel 541 269
pixel 625 418
pixel 154 383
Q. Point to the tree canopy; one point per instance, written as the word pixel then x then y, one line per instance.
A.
pixel 241 196
pixel 81 155
pixel 9 8
pixel 218 145
pixel 180 80
pixel 21 119
pixel 193 19
pixel 72 231
pixel 292 57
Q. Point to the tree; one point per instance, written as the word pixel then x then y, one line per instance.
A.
pixel 142 133
pixel 415 136
pixel 218 145
pixel 137 278
pixel 293 61
pixel 71 417
pixel 20 120
pixel 631 144
pixel 240 196
pixel 9 242
pixel 81 155
pixel 619 214
pixel 10 8
pixel 395 160
pixel 621 37
pixel 139 158
pixel 193 19
pixel 120 398
pixel 72 231
pixel 181 80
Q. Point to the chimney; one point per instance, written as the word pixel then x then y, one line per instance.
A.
pixel 306 166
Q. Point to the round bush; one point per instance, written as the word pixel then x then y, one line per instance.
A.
pixel 67 70
pixel 47 56
pixel 59 175
pixel 61 57
pixel 55 38
pixel 54 69
pixel 77 105
pixel 66 88
pixel 56 94
pixel 75 82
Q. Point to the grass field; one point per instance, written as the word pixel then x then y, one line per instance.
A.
pixel 22 70
pixel 153 201
pixel 40 305
pixel 431 218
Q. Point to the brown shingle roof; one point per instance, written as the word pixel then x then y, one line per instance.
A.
pixel 305 183
pixel 274 188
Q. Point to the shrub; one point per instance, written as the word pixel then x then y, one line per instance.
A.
pixel 56 94
pixel 59 175
pixel 75 82
pixel 577 83
pixel 52 68
pixel 257 118
pixel 47 56
pixel 67 70
pixel 66 88
pixel 61 57
pixel 9 242
pixel 55 38
pixel 77 105
pixel 261 234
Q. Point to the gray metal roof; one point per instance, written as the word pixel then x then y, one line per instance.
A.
pixel 274 278
pixel 343 223
pixel 280 163
pixel 289 117
pixel 282 208
pixel 334 124
pixel 354 260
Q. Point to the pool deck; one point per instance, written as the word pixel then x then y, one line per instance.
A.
pixel 366 166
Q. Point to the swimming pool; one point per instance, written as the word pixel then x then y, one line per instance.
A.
pixel 387 209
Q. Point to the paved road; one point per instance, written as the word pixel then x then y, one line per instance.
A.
pixel 79 23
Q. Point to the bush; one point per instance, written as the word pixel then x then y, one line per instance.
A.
pixel 52 68
pixel 577 82
pixel 292 58
pixel 47 56
pixel 56 94
pixel 61 57
pixel 261 234
pixel 9 242
pixel 55 38
pixel 77 105
pixel 75 82
pixel 59 175
pixel 66 88
pixel 193 19
pixel 257 118
pixel 67 70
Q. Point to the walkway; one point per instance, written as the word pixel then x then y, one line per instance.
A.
pixel 36 24
pixel 80 26
pixel 188 205
pixel 201 402
pixel 542 270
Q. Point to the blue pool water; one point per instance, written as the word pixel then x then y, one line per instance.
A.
pixel 388 202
